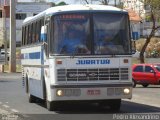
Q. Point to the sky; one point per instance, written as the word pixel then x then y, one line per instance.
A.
pixel 76 1
pixel 56 1
pixel 67 1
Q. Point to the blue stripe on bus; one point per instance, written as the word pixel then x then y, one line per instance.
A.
pixel 35 55
pixel 42 55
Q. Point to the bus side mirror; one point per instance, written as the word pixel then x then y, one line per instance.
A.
pixel 44 39
pixel 44 34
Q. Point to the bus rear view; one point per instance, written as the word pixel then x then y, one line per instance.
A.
pixel 86 54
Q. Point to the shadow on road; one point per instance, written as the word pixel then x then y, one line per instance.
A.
pixel 126 107
pixel 93 112
pixel 150 86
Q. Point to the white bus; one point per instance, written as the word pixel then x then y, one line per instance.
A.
pixel 77 53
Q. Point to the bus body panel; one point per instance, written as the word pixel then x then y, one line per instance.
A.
pixel 90 65
pixel 73 73
pixel 32 62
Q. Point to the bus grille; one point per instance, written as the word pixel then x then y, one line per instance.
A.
pixel 93 74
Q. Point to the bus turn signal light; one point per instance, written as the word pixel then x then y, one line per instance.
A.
pixel 125 60
pixel 58 62
pixel 59 92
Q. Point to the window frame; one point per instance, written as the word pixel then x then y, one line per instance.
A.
pixel 150 69
pixel 134 70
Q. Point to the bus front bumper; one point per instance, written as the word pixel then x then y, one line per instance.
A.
pixel 91 92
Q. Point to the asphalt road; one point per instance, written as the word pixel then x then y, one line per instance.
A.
pixel 13 99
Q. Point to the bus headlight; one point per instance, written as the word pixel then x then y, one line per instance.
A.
pixel 126 90
pixel 68 92
pixel 59 93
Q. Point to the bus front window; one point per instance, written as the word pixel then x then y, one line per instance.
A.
pixel 111 34
pixel 71 34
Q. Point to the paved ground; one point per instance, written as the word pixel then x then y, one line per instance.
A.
pixel 14 100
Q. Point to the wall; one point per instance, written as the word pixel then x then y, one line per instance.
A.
pixel 28 8
pixel 146 28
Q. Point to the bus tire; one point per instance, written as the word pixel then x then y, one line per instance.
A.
pixel 51 106
pixel 26 84
pixel 31 98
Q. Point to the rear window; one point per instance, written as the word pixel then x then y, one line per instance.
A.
pixel 138 69
pixel 157 67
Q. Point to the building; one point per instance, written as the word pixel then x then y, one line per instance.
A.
pixel 137 14
pixel 23 10
pixel 135 5
pixel 139 7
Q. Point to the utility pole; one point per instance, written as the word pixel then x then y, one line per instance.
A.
pixel 4 35
pixel 115 3
pixel 12 59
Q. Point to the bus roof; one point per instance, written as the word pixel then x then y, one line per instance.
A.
pixel 81 7
pixel 68 8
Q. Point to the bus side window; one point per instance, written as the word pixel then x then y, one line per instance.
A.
pixel 26 32
pixel 30 34
pixel 24 35
pixel 41 24
pixel 33 32
pixel 37 32
pixel 23 30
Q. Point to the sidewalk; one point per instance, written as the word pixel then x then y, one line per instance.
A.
pixel 3 111
pixel 5 115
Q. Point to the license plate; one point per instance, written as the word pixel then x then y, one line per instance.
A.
pixel 93 92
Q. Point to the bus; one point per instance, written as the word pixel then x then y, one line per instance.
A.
pixel 77 53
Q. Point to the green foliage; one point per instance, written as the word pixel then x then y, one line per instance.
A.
pixel 148 18
pixel 154 53
pixel 154 7
pixel 117 3
pixel 61 3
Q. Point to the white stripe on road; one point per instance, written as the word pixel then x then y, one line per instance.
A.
pixel 6 106
pixel 15 111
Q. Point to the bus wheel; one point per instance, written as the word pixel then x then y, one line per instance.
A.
pixel 31 98
pixel 49 105
pixel 115 104
pixel 26 84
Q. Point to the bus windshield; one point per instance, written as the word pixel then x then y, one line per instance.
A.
pixel 84 34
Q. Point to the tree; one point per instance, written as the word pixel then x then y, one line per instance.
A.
pixel 61 4
pixel 104 2
pixel 154 10
pixel 117 3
